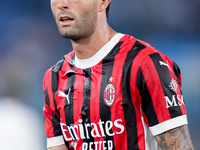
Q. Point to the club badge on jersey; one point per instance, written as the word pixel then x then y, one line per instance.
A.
pixel 109 93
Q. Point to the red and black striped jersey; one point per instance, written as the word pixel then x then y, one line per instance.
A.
pixel 117 100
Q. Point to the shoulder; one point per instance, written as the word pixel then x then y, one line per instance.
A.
pixel 59 64
pixel 66 61
pixel 145 55
pixel 149 53
pixel 54 69
pixel 141 49
pixel 135 44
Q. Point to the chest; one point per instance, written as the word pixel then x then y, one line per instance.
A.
pixel 92 95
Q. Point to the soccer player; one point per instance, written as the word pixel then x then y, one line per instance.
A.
pixel 112 91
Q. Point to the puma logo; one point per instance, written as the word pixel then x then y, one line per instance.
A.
pixel 62 94
pixel 165 64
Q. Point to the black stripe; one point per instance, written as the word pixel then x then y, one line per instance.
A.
pixel 147 103
pixel 128 107
pixel 85 109
pixel 111 55
pixel 56 125
pixel 54 78
pixel 69 115
pixel 69 106
pixel 177 72
pixel 55 119
pixel 107 67
pixel 46 96
pixel 70 92
pixel 165 80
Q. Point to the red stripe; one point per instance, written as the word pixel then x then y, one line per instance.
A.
pixel 78 96
pixel 48 122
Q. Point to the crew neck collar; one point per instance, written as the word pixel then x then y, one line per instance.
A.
pixel 95 59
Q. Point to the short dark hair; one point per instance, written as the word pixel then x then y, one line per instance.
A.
pixel 107 11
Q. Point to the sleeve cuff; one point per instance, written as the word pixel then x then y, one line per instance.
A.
pixel 168 125
pixel 55 141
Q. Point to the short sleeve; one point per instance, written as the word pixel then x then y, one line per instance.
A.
pixel 52 119
pixel 162 102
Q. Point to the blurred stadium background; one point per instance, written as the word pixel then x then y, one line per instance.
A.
pixel 30 44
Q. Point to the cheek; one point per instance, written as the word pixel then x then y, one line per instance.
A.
pixel 54 4
pixel 54 7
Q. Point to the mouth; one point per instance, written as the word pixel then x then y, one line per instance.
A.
pixel 65 20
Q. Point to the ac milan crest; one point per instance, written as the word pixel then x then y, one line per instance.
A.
pixel 109 94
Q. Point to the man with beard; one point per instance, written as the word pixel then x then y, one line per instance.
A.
pixel 112 91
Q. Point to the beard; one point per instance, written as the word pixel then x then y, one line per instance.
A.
pixel 83 26
pixel 78 32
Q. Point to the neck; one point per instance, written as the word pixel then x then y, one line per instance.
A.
pixel 86 48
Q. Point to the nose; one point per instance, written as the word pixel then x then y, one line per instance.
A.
pixel 62 4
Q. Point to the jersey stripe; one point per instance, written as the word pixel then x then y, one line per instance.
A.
pixel 46 97
pixel 95 109
pixel 85 110
pixel 131 122
pixel 78 100
pixel 147 103
pixel 54 83
pixel 68 87
pixel 70 91
pixel 107 66
pixel 177 72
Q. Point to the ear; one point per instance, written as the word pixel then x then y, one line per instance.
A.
pixel 103 4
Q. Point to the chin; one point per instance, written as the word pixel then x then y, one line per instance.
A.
pixel 71 37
